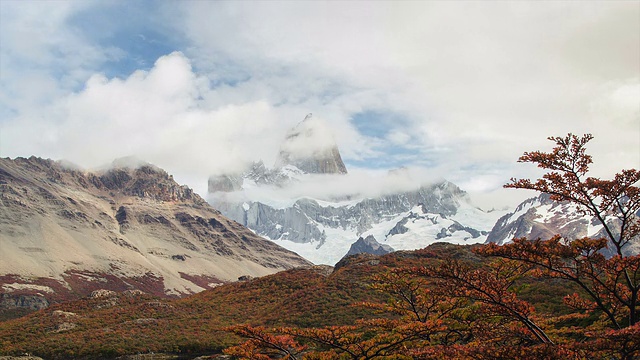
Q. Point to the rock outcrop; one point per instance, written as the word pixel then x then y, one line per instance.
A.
pixel 368 245
pixel 311 148
pixel 32 302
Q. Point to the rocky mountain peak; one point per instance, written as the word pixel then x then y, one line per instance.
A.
pixel 124 176
pixel 308 148
pixel 144 180
pixel 311 147
pixel 369 245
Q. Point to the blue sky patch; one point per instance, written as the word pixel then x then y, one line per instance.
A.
pixel 392 157
pixel 377 123
pixel 131 28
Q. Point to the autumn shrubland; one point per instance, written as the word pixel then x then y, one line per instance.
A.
pixel 528 299
pixel 130 323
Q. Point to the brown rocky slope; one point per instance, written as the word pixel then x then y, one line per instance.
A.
pixel 65 232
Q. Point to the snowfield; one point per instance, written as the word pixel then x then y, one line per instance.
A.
pixel 423 230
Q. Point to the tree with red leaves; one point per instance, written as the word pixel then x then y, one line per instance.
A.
pixel 615 203
pixel 609 285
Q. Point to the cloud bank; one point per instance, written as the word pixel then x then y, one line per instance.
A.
pixel 157 115
pixel 460 89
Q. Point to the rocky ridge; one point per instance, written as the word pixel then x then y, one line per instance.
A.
pixel 324 231
pixel 66 232
pixel 310 147
pixel 542 218
pixel 369 245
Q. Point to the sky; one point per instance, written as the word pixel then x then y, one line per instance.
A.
pixel 456 89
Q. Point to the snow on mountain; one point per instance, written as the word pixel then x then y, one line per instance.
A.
pixel 322 231
pixel 469 225
pixel 309 204
pixel 542 218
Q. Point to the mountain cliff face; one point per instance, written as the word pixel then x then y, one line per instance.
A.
pixel 308 148
pixel 311 148
pixel 67 232
pixel 323 231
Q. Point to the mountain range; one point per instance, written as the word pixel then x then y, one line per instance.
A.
pixel 323 229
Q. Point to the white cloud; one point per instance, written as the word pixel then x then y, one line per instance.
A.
pixel 478 83
pixel 398 137
pixel 155 115
pixel 489 80
pixel 42 57
pixel 354 186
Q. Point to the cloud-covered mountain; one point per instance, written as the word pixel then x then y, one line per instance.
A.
pixel 321 225
pixel 310 147
pixel 66 232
